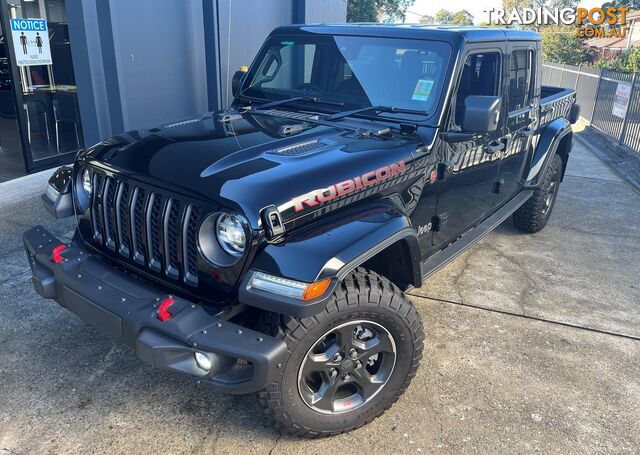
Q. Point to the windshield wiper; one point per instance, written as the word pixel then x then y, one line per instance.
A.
pixel 313 99
pixel 389 109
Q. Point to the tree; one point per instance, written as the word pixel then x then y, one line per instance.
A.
pixel 443 17
pixel 561 45
pixel 377 10
pixel 361 11
pixel 427 20
pixel 626 62
pixel 462 17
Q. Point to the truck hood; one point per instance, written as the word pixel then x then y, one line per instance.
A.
pixel 248 161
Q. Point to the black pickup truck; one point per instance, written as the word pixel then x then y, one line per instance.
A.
pixel 268 247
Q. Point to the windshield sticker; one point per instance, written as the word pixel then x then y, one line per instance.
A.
pixel 422 90
pixel 287 43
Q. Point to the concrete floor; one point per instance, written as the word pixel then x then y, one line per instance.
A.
pixel 550 363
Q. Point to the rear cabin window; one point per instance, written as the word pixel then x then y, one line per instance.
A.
pixel 520 78
pixel 480 76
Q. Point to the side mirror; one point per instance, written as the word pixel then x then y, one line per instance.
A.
pixel 481 113
pixel 236 82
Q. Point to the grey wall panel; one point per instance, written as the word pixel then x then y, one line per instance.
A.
pixel 325 11
pixel 86 52
pixel 160 60
pixel 244 25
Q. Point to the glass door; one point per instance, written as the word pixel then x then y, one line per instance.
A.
pixel 39 54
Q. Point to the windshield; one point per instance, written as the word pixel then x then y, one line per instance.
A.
pixel 351 70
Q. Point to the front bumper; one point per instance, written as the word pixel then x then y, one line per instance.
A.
pixel 120 305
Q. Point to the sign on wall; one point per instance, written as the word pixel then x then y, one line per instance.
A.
pixel 31 42
pixel 621 100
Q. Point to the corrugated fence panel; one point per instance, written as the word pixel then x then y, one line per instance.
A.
pixel 603 117
pixel 586 92
pixel 631 136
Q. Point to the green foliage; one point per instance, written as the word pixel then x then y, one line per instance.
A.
pixel 561 45
pixel 361 11
pixel 626 62
pixel 443 17
pixel 375 10
pixel 462 17
pixel 621 4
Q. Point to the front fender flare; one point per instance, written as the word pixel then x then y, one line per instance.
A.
pixel 330 249
pixel 546 149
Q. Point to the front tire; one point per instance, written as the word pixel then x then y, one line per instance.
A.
pixel 349 363
pixel 534 214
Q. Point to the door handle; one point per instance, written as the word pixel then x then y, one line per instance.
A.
pixel 494 147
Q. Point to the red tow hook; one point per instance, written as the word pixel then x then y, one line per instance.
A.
pixel 163 309
pixel 56 254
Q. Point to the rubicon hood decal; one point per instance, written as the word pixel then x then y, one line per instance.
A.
pixel 348 186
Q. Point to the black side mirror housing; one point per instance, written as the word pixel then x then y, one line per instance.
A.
pixel 236 82
pixel 481 113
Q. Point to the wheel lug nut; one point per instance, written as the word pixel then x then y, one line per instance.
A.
pixel 353 353
pixel 337 357
pixel 333 373
pixel 346 376
pixel 358 364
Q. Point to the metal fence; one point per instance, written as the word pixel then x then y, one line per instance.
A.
pixel 609 101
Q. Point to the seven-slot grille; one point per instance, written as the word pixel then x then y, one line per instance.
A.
pixel 146 227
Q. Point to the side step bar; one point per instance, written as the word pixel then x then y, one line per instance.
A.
pixel 438 260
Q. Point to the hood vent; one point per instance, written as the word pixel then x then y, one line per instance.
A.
pixel 293 115
pixel 303 148
pixel 182 123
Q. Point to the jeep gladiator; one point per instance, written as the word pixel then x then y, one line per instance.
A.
pixel 268 247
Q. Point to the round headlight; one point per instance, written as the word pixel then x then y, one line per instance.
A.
pixel 230 234
pixel 86 182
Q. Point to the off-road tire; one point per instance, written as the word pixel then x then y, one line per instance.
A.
pixel 534 214
pixel 361 295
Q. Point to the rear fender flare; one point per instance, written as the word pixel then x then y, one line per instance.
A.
pixel 546 149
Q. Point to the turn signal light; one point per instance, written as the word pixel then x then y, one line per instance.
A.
pixel 316 289
pixel 56 254
pixel 289 288
pixel 163 309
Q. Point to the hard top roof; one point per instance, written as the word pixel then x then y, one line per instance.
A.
pixel 420 31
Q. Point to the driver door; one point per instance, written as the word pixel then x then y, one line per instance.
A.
pixel 469 169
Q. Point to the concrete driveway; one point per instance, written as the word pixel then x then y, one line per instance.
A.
pixel 533 344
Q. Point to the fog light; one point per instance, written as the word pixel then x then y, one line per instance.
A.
pixel 203 362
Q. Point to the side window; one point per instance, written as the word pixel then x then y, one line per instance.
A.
pixel 480 76
pixel 520 78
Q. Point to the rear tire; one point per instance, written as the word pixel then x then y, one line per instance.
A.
pixel 534 214
pixel 349 363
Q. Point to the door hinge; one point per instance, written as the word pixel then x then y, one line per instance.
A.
pixel 438 221
pixel 443 169
pixel 498 186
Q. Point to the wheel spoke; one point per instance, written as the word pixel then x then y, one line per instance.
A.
pixel 324 398
pixel 369 348
pixel 345 338
pixel 320 362
pixel 367 383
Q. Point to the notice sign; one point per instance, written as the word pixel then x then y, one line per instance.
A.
pixel 621 100
pixel 31 42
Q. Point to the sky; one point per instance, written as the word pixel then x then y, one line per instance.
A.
pixel 475 7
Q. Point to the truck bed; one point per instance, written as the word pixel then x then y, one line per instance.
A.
pixel 555 102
